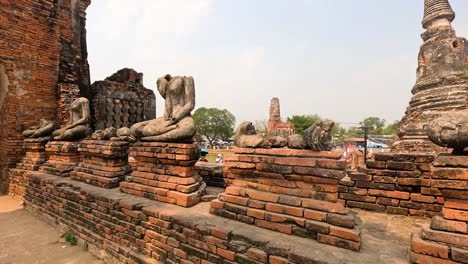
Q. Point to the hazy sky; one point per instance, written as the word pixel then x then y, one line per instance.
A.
pixel 341 59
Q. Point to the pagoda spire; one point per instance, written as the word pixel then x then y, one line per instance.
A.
pixel 437 12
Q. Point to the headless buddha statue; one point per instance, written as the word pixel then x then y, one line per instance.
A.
pixel 44 129
pixel 176 125
pixel 78 127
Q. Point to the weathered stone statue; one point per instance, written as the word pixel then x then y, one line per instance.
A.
pixel 296 141
pixel 246 136
pixel 79 122
pixel 319 136
pixel 105 134
pixel 176 125
pixel 44 129
pixel 450 131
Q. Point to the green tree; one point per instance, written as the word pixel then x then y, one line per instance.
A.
pixel 214 123
pixel 392 128
pixel 302 122
pixel 375 124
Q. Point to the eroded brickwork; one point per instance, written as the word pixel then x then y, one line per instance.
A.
pixel 394 183
pixel 289 191
pixel 42 44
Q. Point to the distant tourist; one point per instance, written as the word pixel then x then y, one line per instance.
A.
pixel 219 158
pixel 203 153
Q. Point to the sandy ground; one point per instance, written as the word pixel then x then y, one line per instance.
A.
pixel 26 239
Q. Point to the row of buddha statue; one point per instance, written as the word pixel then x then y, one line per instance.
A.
pixel 176 125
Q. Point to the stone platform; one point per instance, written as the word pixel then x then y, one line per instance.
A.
pixel 104 163
pixel 165 172
pixel 289 191
pixel 63 156
pixel 34 157
pixel 445 240
pixel 122 228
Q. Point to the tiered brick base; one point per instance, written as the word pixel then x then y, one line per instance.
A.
pixel 212 173
pixel 445 240
pixel 165 172
pixel 394 183
pixel 63 157
pixel 35 156
pixel 290 191
pixel 105 163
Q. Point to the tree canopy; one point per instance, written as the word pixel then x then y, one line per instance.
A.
pixel 214 123
pixel 302 122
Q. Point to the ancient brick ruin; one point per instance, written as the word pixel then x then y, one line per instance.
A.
pixel 276 127
pixel 42 57
pixel 140 197
pixel 441 82
pixel 121 100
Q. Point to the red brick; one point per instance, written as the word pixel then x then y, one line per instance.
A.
pixel 278 260
pixel 444 237
pixel 339 242
pixel 423 259
pixel 262 196
pixel 315 215
pixel 283 209
pixel 257 254
pixel 287 229
pixel 439 223
pixel 422 198
pixel 455 214
pixel 259 214
pixel 459 254
pixel 324 206
pixel 346 233
pixel 227 254
pixel 456 204
pixel 219 233
pixel 419 245
pixel 235 199
pixel 217 204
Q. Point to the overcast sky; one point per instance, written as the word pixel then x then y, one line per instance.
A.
pixel 341 59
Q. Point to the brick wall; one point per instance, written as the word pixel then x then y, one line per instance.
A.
pixel 211 173
pixel 34 60
pixel 393 183
pixel 121 228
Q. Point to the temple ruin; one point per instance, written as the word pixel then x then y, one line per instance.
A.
pixel 276 127
pixel 441 81
pixel 131 191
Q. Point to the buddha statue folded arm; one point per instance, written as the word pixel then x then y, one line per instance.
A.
pixel 44 129
pixel 176 124
pixel 78 127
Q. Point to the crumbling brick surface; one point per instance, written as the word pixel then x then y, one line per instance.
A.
pixel 35 156
pixel 288 191
pixel 165 172
pixel 104 163
pixel 445 240
pixel 42 44
pixel 122 228
pixel 63 157
pixel 394 183
pixel 121 101
pixel 211 173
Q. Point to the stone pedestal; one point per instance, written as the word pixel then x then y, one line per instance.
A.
pixel 34 157
pixel 105 163
pixel 165 172
pixel 63 157
pixel 445 240
pixel 212 173
pixel 289 191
